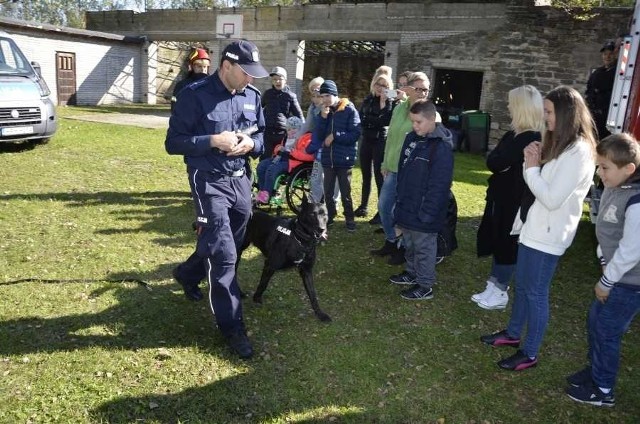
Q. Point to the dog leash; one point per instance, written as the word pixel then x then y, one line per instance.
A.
pixel 78 280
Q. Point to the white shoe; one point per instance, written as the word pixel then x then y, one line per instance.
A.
pixel 497 299
pixel 487 291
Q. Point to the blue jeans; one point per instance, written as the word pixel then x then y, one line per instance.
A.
pixel 268 171
pixel 386 204
pixel 501 275
pixel 606 324
pixel 421 251
pixel 534 271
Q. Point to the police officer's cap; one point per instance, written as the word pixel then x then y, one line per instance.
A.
pixel 609 45
pixel 246 55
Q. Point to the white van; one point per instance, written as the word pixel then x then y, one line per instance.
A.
pixel 26 112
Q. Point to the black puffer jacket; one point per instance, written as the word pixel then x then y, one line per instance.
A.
pixel 375 120
pixel 278 106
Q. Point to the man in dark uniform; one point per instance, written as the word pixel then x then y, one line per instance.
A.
pixel 600 87
pixel 198 68
pixel 217 121
pixel 279 103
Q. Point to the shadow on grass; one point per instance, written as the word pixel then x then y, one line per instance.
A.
pixel 144 315
pixel 20 146
pixel 166 212
pixel 226 400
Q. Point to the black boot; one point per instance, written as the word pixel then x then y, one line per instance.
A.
pixel 387 249
pixel 397 257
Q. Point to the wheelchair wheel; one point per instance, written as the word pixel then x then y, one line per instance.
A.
pixel 298 186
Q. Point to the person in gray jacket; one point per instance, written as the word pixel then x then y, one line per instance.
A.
pixel 617 292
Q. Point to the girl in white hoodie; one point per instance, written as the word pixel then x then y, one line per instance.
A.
pixel 558 172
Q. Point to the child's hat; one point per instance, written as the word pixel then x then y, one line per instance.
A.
pixel 329 87
pixel 198 54
pixel 294 123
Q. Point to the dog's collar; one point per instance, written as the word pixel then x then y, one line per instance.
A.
pixel 302 236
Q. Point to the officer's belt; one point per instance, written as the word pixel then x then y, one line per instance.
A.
pixel 238 173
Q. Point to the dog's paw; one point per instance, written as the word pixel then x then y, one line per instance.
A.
pixel 323 317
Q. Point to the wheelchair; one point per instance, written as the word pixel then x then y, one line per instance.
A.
pixel 289 189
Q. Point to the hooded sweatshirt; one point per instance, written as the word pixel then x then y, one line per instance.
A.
pixel 617 229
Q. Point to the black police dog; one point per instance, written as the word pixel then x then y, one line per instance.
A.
pixel 286 243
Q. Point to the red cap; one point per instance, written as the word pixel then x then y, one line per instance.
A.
pixel 198 54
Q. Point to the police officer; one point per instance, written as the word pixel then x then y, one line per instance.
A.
pixel 216 123
pixel 600 88
pixel 198 67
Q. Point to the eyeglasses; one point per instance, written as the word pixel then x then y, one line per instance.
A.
pixel 381 85
pixel 419 90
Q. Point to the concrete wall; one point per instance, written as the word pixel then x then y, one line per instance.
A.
pixel 512 43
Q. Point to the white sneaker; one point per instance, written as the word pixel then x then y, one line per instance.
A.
pixel 487 291
pixel 497 299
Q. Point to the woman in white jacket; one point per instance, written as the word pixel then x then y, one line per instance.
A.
pixel 558 172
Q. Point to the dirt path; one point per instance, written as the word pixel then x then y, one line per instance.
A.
pixel 138 120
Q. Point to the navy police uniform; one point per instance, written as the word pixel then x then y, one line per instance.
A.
pixel 220 188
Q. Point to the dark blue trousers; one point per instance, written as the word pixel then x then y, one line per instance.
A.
pixel 606 324
pixel 223 207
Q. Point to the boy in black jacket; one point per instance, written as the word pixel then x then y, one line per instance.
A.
pixel 425 174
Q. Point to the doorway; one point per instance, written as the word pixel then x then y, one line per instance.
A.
pixel 66 78
pixel 456 91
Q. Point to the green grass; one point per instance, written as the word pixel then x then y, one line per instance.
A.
pixel 102 203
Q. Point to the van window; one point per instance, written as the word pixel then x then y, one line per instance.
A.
pixel 11 60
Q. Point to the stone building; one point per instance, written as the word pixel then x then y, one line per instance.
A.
pixel 473 52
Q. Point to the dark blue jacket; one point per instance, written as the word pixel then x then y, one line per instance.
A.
pixel 344 123
pixel 425 174
pixel 206 107
pixel 278 106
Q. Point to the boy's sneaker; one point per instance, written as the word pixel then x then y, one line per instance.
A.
pixel 501 338
pixel 404 278
pixel 497 299
pixel 351 226
pixel 580 378
pixel 517 362
pixel 591 394
pixel 330 221
pixel 417 292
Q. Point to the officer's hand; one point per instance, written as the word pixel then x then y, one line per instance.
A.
pixel 226 141
pixel 244 146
